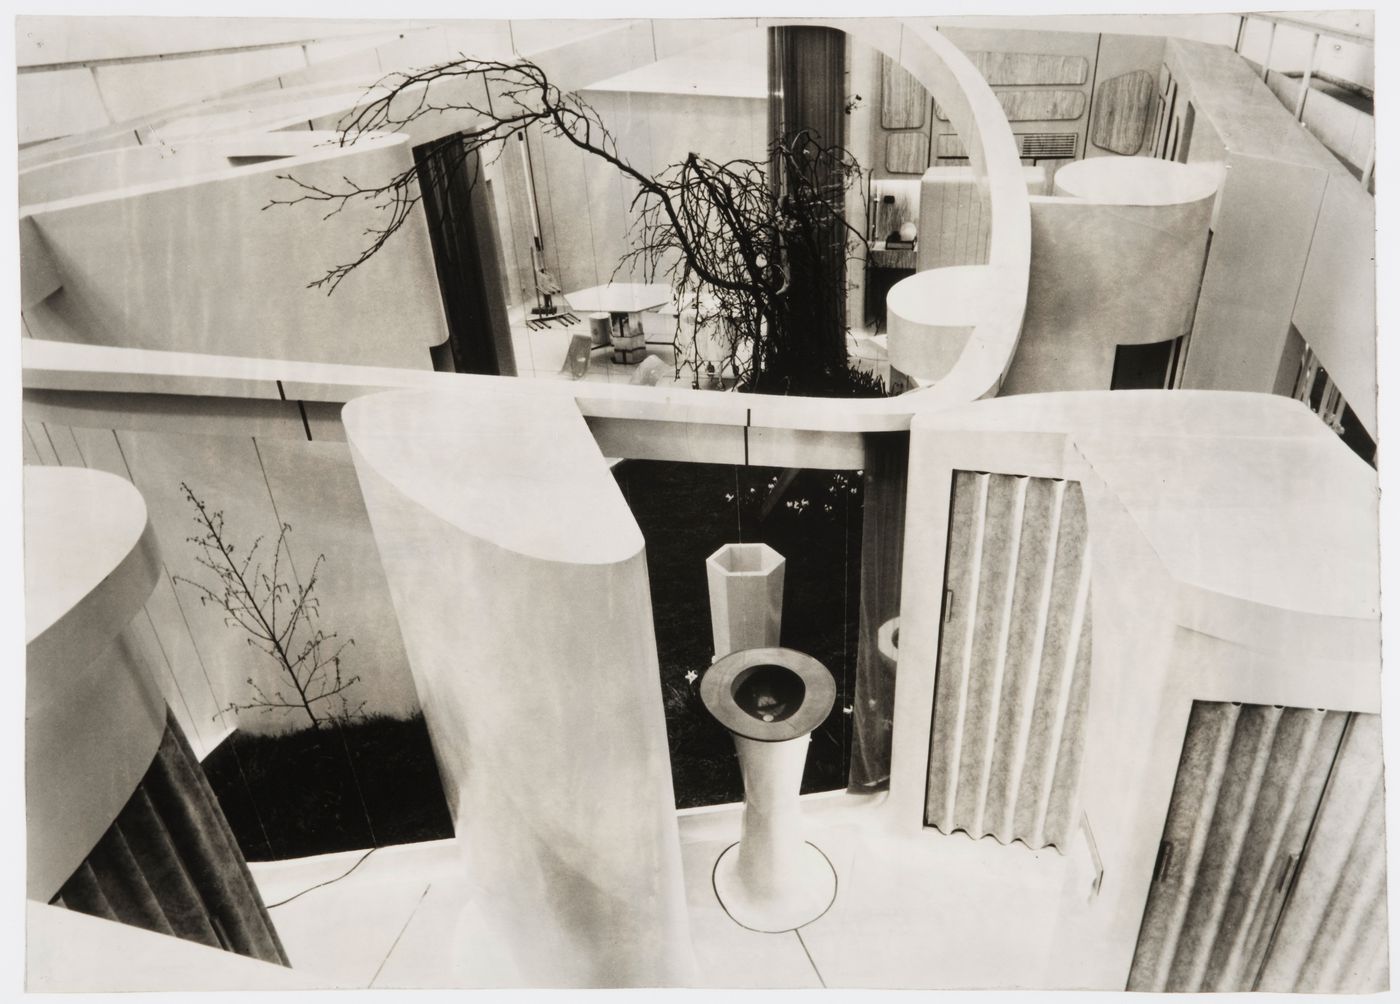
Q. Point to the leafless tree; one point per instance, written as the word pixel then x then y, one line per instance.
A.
pixel 277 615
pixel 728 239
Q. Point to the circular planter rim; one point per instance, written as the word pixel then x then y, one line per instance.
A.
pixel 717 691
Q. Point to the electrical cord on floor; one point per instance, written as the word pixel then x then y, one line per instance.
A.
pixel 273 906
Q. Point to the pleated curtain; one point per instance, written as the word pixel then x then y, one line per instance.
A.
pixel 1271 870
pixel 169 863
pixel 1012 688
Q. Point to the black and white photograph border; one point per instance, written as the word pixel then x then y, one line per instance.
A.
pixel 873 499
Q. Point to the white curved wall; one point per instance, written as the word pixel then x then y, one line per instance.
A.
pixel 202 265
pixel 93 714
pixel 1116 259
pixel 519 579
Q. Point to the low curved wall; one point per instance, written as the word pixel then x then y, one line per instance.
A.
pixel 94 715
pixel 1116 259
pixel 185 257
pixel 916 318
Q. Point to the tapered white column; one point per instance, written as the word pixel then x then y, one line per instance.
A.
pixel 770 699
pixel 519 579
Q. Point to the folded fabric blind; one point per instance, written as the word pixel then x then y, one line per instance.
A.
pixel 169 863
pixel 1271 868
pixel 1013 673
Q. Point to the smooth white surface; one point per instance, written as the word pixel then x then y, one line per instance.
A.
pixel 888 926
pixel 1293 237
pixel 525 458
pixel 94 715
pixel 730 67
pixel 932 314
pixel 79 528
pixel 71 952
pixel 191 258
pixel 773 880
pixel 1336 307
pixel 1212 476
pixel 808 889
pixel 530 640
pixel 131 168
pixel 620 297
pixel 1117 264
pixel 1137 181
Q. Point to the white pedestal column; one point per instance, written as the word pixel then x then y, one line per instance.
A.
pixel 771 699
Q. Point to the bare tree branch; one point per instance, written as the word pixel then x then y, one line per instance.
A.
pixel 723 234
pixel 249 597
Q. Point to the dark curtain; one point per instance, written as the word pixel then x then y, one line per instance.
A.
pixel 881 566
pixel 807 97
pixel 169 863
pixel 462 224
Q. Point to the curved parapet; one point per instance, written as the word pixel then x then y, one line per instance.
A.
pixel 519 579
pixel 94 714
pixel 766 425
pixel 933 314
pixel 194 216
pixel 1116 259
pixel 1137 181
pixel 989 307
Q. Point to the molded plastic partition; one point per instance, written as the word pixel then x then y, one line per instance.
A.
pixel 519 579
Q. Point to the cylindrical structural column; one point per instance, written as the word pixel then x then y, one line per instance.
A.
pixel 519 579
pixel 770 699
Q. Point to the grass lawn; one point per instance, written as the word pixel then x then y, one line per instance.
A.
pixel 295 794
pixel 292 795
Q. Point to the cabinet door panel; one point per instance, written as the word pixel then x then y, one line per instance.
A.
pixel 1332 935
pixel 1248 786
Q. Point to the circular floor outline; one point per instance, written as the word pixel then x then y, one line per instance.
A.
pixel 835 891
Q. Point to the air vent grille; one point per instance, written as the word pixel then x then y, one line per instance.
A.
pixel 1048 145
pixel 1034 146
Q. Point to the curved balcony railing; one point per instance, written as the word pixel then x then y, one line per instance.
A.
pixel 994 320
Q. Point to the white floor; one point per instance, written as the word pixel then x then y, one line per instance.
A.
pixel 540 354
pixel 918 911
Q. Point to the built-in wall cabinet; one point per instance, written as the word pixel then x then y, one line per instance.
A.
pixel 1067 95
pixel 1271 870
